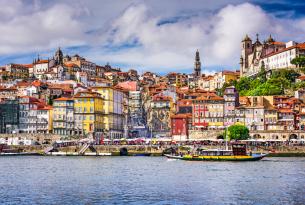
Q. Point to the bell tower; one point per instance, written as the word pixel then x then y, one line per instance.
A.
pixel 197 65
pixel 59 57
pixel 246 49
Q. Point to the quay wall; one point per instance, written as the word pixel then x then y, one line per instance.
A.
pixel 156 150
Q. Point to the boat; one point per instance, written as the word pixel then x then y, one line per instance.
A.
pixel 78 154
pixel 238 153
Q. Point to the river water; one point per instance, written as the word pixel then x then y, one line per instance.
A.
pixel 149 180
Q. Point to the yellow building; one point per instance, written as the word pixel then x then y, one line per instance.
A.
pixel 63 116
pixel 215 107
pixel 88 109
pixel 113 107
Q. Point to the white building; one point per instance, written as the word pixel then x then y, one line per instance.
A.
pixel 282 59
pixel 271 54
pixel 40 67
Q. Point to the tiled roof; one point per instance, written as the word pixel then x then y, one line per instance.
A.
pixel 63 99
pixel 300 46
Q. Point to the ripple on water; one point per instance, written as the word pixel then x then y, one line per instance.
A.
pixel 149 180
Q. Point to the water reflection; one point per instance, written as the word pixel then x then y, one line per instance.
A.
pixel 149 180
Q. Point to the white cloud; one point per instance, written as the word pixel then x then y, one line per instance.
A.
pixel 172 46
pixel 216 29
pixel 39 30
pixel 231 24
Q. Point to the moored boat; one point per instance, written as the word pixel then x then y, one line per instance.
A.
pixel 238 153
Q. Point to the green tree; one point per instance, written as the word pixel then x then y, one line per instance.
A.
pixel 262 74
pixel 299 61
pixel 299 85
pixel 289 75
pixel 4 77
pixel 50 101
pixel 238 132
pixel 243 84
pixel 221 91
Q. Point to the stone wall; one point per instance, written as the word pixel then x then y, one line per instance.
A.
pixel 38 137
pixel 205 134
pixel 281 135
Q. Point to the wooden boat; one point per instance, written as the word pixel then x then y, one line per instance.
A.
pixel 238 153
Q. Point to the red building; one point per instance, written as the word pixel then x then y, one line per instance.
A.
pixel 200 113
pixel 180 124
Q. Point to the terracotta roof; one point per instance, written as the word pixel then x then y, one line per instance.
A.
pixel 23 84
pixel 86 94
pixel 44 107
pixel 128 85
pixel 8 89
pixel 71 65
pixel 28 65
pixel 188 115
pixel 244 100
pixel 60 86
pixel 285 110
pixel 208 97
pixel 63 99
pixel 161 98
pixel 300 46
pixel 301 77
pixel 37 83
pixel 42 61
pixel 230 72
pixel 278 43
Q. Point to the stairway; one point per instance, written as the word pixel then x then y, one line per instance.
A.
pixel 84 148
pixel 48 149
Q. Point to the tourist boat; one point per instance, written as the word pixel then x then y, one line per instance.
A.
pixel 238 153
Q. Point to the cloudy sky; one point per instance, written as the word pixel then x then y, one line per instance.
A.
pixel 155 35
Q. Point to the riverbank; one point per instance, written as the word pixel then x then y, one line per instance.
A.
pixel 143 150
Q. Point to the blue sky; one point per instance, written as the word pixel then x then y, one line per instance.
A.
pixel 155 35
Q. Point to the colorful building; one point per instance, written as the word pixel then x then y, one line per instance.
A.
pixel 17 71
pixel 159 121
pixel 113 109
pixel 63 116
pixel 88 110
pixel 208 112
pixel 180 126
pixel 231 102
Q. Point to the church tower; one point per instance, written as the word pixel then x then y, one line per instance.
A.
pixel 197 66
pixel 59 57
pixel 246 49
